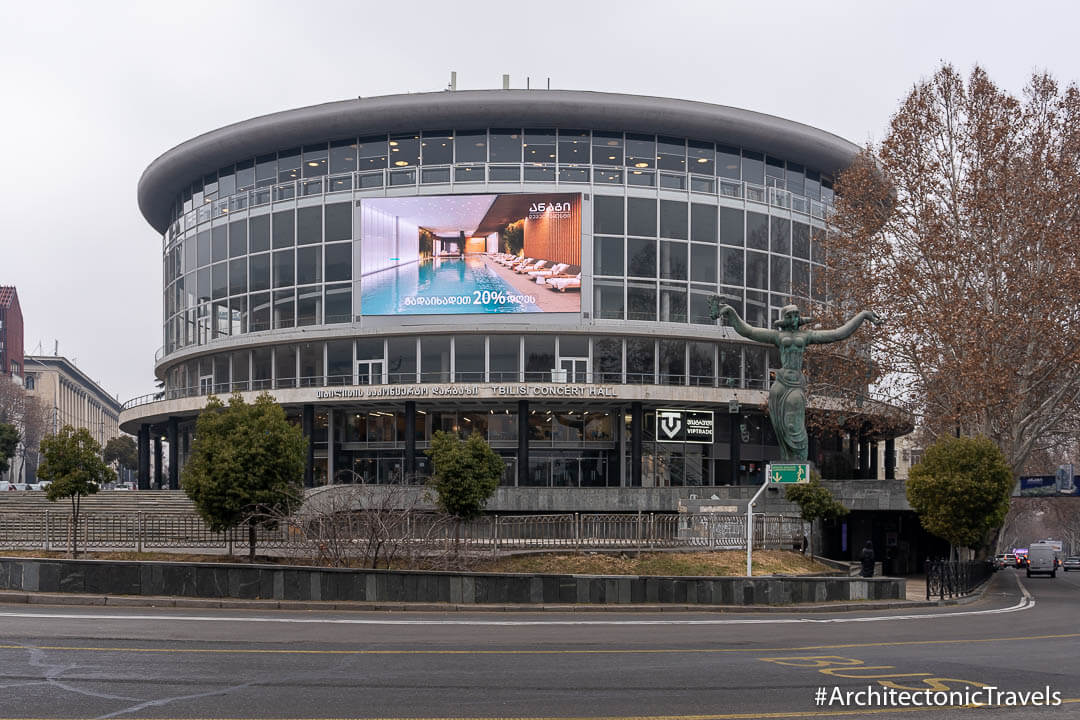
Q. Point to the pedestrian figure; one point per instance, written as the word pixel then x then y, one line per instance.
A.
pixel 867 560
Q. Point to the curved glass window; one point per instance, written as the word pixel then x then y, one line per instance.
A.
pixel 371 152
pixel 315 160
pixel 539 146
pixel 652 256
pixel 470 147
pixel 574 146
pixel 504 146
pixel 342 156
pixel 671 154
pixel 288 165
pixel 404 150
pixel 640 151
pixel 607 148
pixel 437 147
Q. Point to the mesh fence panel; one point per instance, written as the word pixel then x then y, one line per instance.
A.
pixel 351 533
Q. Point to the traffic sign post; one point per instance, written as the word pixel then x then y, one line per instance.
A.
pixel 788 473
pixel 775 474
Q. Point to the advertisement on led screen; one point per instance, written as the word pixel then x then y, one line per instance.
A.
pixel 470 254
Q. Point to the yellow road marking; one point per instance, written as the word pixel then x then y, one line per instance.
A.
pixel 621 651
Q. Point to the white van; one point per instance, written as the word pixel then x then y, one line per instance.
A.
pixel 1042 559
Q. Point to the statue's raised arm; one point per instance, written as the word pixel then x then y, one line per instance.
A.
pixel 787 394
pixel 820 337
pixel 761 335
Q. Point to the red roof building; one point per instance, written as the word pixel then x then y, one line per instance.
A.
pixel 11 333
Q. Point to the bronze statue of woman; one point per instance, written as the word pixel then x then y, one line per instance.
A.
pixel 787 396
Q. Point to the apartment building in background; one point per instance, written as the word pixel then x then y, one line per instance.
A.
pixel 71 397
pixel 11 334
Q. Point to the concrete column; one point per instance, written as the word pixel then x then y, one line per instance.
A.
pixel 523 443
pixel 735 440
pixel 637 426
pixel 173 432
pixel 873 460
pixel 330 444
pixel 157 461
pixel 410 440
pixel 307 424
pixel 144 457
pixel 864 457
pixel 853 450
pixel 890 459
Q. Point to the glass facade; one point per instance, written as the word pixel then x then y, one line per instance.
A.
pixel 473 359
pixel 282 223
pixel 267 247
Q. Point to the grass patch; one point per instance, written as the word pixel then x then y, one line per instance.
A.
pixel 724 562
pixel 707 564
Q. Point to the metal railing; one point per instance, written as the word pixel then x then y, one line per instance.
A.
pixel 569 174
pixel 320 381
pixel 951 578
pixel 146 531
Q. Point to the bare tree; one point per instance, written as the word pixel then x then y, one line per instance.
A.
pixel 29 415
pixel 960 230
pixel 371 525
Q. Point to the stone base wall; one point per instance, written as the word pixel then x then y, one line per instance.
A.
pixel 272 582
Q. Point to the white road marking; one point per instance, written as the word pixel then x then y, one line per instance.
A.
pixel 1024 604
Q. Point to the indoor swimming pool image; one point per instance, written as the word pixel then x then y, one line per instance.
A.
pixel 444 286
pixel 470 254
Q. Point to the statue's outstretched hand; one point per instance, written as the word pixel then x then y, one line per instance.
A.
pixel 873 317
pixel 725 310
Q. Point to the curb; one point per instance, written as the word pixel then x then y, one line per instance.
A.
pixel 974 596
pixel 118 601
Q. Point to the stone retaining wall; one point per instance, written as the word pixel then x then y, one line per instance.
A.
pixel 205 580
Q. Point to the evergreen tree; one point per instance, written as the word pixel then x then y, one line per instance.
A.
pixel 246 464
pixel 71 462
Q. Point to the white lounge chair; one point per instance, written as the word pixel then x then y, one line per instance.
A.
pixel 538 265
pixel 549 272
pixel 562 284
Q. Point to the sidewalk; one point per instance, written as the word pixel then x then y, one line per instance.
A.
pixel 916 587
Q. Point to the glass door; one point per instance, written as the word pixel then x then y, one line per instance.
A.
pixel 369 372
pixel 576 369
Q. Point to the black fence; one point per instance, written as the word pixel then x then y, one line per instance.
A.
pixel 950 578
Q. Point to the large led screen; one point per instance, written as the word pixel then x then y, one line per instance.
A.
pixel 469 254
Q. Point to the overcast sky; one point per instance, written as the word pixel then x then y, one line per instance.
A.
pixel 92 92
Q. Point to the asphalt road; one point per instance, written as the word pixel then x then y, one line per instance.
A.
pixel 66 662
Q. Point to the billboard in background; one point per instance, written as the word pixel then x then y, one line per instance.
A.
pixel 470 254
pixel 1050 485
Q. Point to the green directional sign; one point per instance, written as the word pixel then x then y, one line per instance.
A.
pixel 793 473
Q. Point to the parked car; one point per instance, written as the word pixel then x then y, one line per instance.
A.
pixel 1071 563
pixel 1003 561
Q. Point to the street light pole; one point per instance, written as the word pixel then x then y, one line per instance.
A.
pixel 750 525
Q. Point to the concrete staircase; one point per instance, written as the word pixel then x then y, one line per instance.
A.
pixel 106 501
